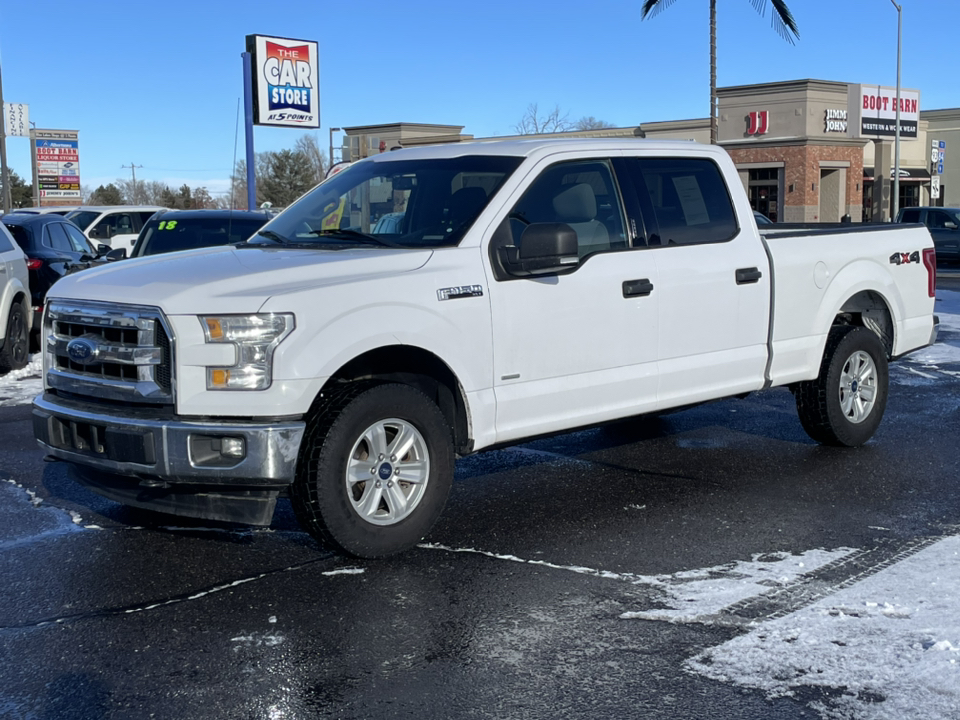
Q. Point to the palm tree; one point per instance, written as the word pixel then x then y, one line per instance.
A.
pixel 783 23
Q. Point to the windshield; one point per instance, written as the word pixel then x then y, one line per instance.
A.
pixel 167 233
pixel 394 203
pixel 83 218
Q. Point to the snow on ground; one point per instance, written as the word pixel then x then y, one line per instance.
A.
pixel 886 648
pixel 697 596
pixel 20 387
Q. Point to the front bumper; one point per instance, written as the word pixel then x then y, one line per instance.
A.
pixel 172 464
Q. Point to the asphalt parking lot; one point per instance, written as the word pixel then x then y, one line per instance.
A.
pixel 544 591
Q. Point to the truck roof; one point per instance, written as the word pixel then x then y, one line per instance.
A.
pixel 525 147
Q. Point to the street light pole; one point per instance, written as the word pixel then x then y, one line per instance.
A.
pixel 332 131
pixel 896 145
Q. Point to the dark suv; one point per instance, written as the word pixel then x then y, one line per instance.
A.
pixel 173 230
pixel 943 224
pixel 54 247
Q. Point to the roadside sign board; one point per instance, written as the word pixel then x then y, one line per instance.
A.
pixel 286 81
pixel 935 187
pixel 56 166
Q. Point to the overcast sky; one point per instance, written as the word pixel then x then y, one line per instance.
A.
pixel 158 85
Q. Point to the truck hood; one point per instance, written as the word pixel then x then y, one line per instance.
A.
pixel 231 279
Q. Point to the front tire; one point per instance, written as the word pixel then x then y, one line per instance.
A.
pixel 375 470
pixel 16 344
pixel 845 404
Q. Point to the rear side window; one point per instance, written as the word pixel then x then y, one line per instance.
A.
pixel 689 199
pixel 19 235
pixel 57 238
pixel 910 216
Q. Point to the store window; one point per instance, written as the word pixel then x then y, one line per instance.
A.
pixel 909 195
pixel 763 190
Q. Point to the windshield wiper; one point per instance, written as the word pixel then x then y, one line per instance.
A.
pixel 276 237
pixel 348 235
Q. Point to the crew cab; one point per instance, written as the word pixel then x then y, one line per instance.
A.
pixel 524 288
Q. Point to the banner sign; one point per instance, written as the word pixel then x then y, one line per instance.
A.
pixel 875 109
pixel 56 166
pixel 17 119
pixel 286 81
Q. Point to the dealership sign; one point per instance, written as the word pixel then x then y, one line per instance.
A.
pixel 286 79
pixel 56 165
pixel 875 109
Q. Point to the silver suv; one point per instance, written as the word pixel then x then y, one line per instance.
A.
pixel 15 311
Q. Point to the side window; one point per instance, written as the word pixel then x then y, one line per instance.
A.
pixel 939 220
pixel 57 238
pixel 911 216
pixel 6 239
pixel 581 194
pixel 689 199
pixel 77 239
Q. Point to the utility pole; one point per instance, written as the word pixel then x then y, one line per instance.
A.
pixel 4 172
pixel 133 171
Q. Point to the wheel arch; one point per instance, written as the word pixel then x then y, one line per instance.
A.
pixel 869 309
pixel 416 367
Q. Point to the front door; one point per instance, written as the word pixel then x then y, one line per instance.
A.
pixel 579 348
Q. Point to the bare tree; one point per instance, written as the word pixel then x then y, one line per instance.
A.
pixel 533 123
pixel 308 146
pixel 591 123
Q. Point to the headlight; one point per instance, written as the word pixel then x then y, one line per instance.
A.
pixel 255 338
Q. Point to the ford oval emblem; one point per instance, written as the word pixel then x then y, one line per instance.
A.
pixel 83 350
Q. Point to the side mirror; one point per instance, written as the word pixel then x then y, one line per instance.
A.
pixel 103 249
pixel 545 249
pixel 950 225
pixel 116 254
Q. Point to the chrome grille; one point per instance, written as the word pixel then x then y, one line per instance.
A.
pixel 109 351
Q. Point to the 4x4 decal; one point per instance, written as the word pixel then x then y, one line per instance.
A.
pixel 905 258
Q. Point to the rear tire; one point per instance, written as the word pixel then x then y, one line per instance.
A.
pixel 845 404
pixel 16 343
pixel 375 470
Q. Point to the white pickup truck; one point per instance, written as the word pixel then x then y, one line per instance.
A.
pixel 523 288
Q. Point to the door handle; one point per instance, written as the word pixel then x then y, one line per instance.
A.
pixel 745 276
pixel 637 288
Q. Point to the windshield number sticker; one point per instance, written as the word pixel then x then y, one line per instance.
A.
pixel 167 225
pixel 905 258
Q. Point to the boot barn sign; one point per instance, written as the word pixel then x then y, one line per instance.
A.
pixel 286 81
pixel 873 111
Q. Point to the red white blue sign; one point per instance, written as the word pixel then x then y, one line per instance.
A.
pixel 286 81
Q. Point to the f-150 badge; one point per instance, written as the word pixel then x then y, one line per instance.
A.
pixel 462 291
pixel 905 258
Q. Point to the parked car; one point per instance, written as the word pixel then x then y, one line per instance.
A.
pixel 54 247
pixel 761 218
pixel 944 226
pixel 173 230
pixel 55 209
pixel 15 312
pixel 534 288
pixel 116 226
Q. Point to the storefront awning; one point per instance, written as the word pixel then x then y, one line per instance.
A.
pixel 919 175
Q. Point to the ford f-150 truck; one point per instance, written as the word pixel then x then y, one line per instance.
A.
pixel 521 288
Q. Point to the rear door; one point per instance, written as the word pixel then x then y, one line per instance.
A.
pixel 714 284
pixel 577 348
